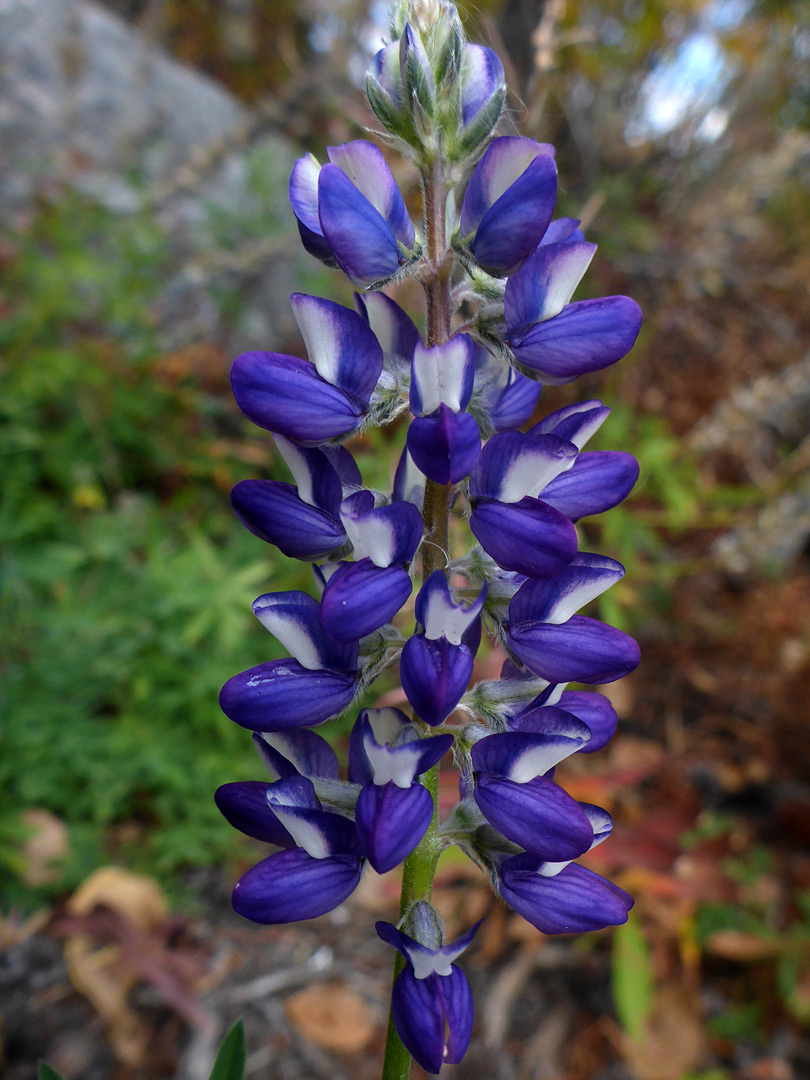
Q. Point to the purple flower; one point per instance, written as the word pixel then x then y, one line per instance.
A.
pixel 307 880
pixel 350 212
pixel 393 809
pixel 551 336
pixel 317 682
pixel 592 709
pixel 432 1002
pixel 515 795
pixel 559 898
pixel 553 642
pixel 302 520
pixel 483 86
pixel 445 445
pixel 312 402
pixel 521 532
pixel 443 440
pixel 362 596
pixel 503 398
pixel 435 667
pixel 508 203
pixel 393 329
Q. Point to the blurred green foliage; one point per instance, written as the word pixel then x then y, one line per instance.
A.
pixel 632 978
pixel 125 579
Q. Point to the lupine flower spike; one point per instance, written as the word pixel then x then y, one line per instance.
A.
pixel 474 449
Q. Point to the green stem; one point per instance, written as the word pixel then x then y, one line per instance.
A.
pixel 420 866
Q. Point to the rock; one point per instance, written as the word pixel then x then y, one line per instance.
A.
pixel 88 102
pixel 766 423
pixel 84 97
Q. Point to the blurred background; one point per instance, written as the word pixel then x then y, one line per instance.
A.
pixel 145 240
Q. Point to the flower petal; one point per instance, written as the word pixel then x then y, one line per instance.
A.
pixel 409 482
pixel 391 821
pixel 562 229
pixel 556 600
pixel 364 164
pixel 538 815
pixel 580 650
pixel 598 481
pixel 513 465
pixel 433 1017
pixel 304 192
pixel 385 534
pixel 287 753
pixel 294 618
pixel 434 676
pixel 419 1018
pixel 286 395
pixel 321 833
pixel 361 597
pixel 596 711
pixel 315 477
pixel 457 1004
pixel 385 747
pixel 340 344
pixel 527 537
pixel 576 423
pixel 574 901
pixel 545 283
pixel 274 512
pixel 440 616
pixel 244 805
pixel 394 330
pixel 282 694
pixel 482 78
pixel 505 160
pixel 359 236
pixel 516 402
pixel 444 446
pixel 290 886
pixel 522 755
pixel 585 336
pixel 442 375
pixel 515 223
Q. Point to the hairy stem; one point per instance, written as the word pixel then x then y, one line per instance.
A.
pixel 420 866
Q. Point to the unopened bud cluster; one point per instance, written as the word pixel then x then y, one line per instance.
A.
pixel 433 91
pixel 470 393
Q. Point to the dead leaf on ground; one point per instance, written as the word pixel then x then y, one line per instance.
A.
pixel 46 846
pixel 118 934
pixel 674 1041
pixel 333 1016
pixel 96 969
pixel 739 945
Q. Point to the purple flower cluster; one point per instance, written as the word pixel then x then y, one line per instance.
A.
pixel 526 579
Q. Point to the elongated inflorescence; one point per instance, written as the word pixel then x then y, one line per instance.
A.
pixel 499 277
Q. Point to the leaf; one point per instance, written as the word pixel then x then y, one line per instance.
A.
pixel 230 1063
pixel 332 1016
pixel 45 1072
pixel 633 990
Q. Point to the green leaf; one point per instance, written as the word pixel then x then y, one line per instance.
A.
pixel 45 1072
pixel 230 1063
pixel 633 988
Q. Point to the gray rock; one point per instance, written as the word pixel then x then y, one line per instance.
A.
pixel 89 102
pixel 766 424
pixel 84 97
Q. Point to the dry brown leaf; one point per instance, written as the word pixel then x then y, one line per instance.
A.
pixel 96 970
pixel 44 848
pixel 333 1016
pixel 674 1040
pixel 739 945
